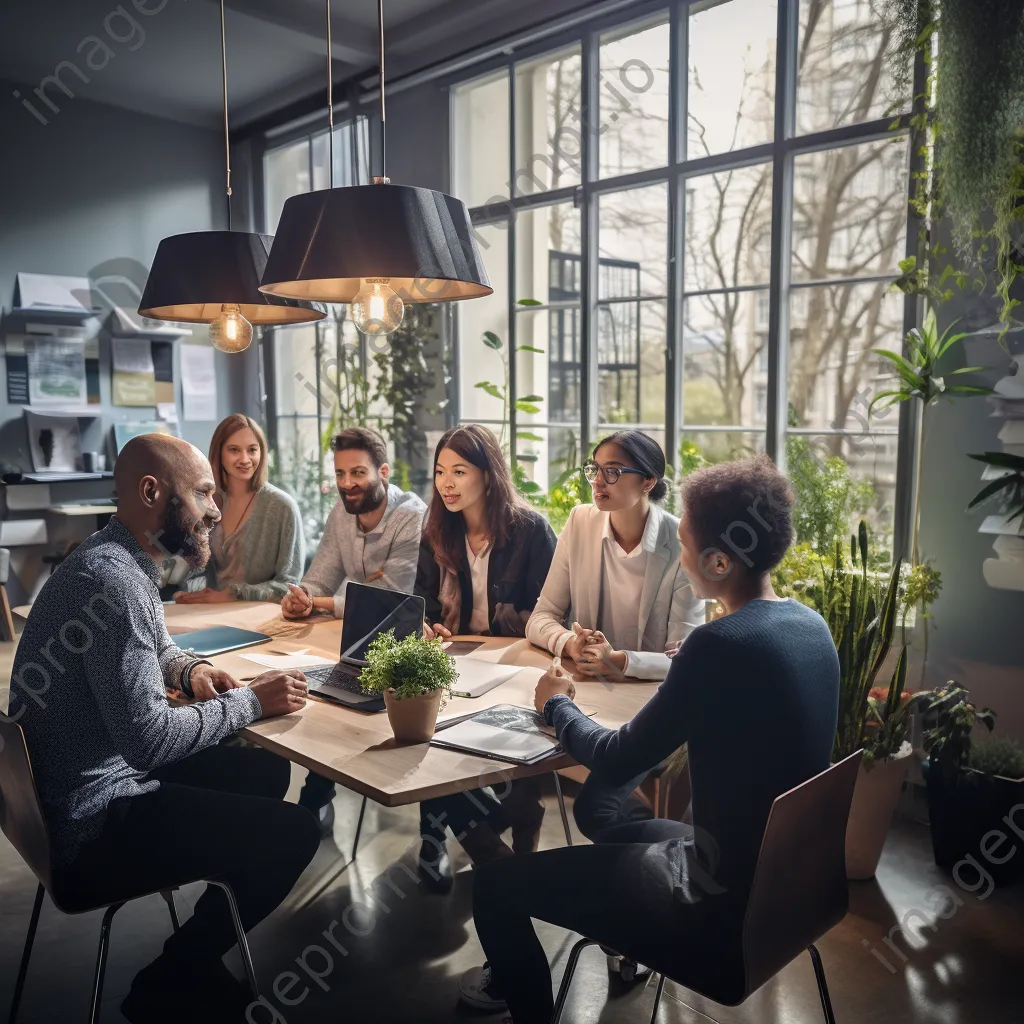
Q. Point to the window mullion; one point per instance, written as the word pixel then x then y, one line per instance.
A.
pixel 782 232
pixel 679 29
pixel 589 119
pixel 513 376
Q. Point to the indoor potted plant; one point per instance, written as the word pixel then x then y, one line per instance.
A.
pixel 971 787
pixel 861 608
pixel 415 677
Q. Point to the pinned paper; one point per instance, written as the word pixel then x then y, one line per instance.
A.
pixel 198 383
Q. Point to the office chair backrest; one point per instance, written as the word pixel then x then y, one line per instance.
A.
pixel 799 889
pixel 21 814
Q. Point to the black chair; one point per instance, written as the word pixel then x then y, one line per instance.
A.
pixel 21 819
pixel 799 891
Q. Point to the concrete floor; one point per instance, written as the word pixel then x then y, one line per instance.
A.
pixel 411 946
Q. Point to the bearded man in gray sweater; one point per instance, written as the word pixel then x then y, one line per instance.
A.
pixel 372 536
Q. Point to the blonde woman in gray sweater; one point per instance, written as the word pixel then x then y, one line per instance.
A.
pixel 257 547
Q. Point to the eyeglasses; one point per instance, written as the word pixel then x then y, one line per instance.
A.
pixel 611 474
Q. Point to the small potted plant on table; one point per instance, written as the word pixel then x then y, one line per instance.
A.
pixel 972 787
pixel 415 677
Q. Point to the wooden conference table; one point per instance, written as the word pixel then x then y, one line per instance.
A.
pixel 357 750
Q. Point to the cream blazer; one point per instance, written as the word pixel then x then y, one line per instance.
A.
pixel 572 591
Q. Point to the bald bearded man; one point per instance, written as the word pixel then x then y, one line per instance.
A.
pixel 140 796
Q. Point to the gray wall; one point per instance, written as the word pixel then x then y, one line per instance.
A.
pixel 977 634
pixel 99 184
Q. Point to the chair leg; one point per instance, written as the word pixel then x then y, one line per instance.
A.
pixel 101 961
pixel 561 807
pixel 6 621
pixel 657 998
pixel 570 970
pixel 33 923
pixel 243 944
pixel 168 895
pixel 819 974
pixel 359 829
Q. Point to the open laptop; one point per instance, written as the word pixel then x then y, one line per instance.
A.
pixel 369 611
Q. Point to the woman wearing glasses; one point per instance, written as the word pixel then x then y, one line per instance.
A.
pixel 615 578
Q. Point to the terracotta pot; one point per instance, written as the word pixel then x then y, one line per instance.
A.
pixel 413 718
pixel 874 802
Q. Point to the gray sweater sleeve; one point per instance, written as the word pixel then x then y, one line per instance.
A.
pixel 126 677
pixel 273 567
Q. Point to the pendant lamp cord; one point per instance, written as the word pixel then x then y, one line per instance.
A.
pixel 227 136
pixel 383 116
pixel 330 95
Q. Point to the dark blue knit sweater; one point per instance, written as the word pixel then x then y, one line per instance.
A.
pixel 755 696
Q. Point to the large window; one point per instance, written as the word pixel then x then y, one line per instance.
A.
pixel 319 376
pixel 692 225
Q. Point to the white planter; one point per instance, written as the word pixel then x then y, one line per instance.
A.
pixel 874 802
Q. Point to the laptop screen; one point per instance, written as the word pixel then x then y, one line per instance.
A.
pixel 373 610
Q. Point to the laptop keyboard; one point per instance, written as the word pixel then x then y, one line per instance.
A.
pixel 341 676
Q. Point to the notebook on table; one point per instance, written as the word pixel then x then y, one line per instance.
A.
pixel 502 733
pixel 218 640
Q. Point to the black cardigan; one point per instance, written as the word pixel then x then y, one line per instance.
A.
pixel 515 575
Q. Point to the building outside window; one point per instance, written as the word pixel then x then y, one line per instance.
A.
pixel 622 328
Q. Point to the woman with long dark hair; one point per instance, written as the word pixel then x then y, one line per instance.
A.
pixel 483 559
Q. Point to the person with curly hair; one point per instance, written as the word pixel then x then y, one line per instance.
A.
pixel 754 694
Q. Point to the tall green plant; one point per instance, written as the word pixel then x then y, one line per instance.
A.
pixel 861 615
pixel 528 404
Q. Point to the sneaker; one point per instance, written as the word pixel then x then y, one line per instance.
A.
pixel 474 991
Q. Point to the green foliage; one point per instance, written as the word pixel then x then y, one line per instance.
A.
pixel 917 372
pixel 860 609
pixel 527 404
pixel 1004 757
pixel 889 715
pixel 410 667
pixel 828 497
pixel 975 131
pixel 1010 486
pixel 404 379
pixel 950 718
pixel 691 458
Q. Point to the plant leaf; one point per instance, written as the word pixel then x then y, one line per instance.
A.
pixel 1004 460
pixel 491 340
pixel 992 487
pixel 527 407
pixel 532 398
pixel 523 435
pixel 529 348
pixel 529 302
pixel 492 389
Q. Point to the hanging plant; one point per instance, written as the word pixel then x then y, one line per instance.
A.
pixel 977 124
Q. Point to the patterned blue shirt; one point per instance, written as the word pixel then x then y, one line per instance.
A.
pixel 89 688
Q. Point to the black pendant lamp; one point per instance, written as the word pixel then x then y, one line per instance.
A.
pixel 213 277
pixel 377 246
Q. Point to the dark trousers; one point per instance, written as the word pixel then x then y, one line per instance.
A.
pixel 218 813
pixel 640 890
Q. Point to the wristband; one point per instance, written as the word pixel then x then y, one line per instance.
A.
pixel 185 680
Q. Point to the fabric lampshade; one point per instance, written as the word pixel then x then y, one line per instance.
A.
pixel 195 274
pixel 420 241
